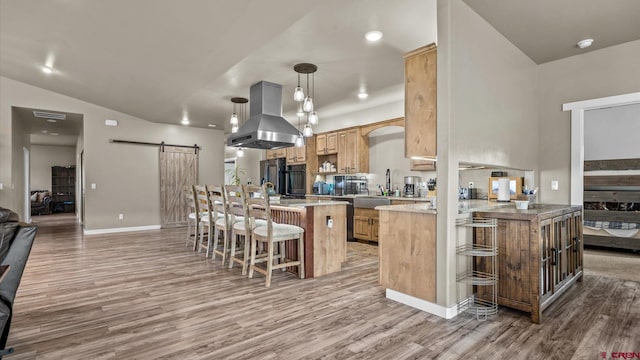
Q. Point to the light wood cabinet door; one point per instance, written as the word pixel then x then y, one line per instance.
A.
pixel 296 155
pixel 327 143
pixel 420 102
pixel 423 165
pixel 375 226
pixel 332 143
pixel 277 153
pixel 362 227
pixel 353 152
pixel 321 144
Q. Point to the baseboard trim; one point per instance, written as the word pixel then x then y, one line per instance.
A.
pixel 122 229
pixel 426 306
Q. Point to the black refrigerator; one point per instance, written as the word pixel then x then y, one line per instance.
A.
pixel 274 171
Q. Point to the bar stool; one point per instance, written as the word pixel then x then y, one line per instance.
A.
pixel 206 216
pixel 222 222
pixel 272 234
pixel 194 216
pixel 242 226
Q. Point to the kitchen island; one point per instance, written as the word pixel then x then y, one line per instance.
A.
pixel 325 242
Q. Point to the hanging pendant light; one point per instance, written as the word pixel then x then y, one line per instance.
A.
pixel 307 131
pixel 298 94
pixel 313 118
pixel 235 120
pixel 240 152
pixel 307 101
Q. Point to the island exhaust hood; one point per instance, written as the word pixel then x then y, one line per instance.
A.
pixel 265 128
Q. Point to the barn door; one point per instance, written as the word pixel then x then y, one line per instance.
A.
pixel 178 168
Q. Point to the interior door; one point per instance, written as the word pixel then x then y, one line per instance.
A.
pixel 178 168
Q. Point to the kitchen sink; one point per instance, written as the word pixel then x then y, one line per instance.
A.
pixel 369 202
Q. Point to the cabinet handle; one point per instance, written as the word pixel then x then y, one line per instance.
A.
pixel 554 258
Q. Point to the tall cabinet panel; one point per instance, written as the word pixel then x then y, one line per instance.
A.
pixel 420 102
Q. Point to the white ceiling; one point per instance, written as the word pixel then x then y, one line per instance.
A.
pixel 157 60
pixel 548 30
pixel 43 132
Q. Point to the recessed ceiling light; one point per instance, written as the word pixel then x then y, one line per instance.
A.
pixel 46 69
pixel 362 95
pixel 212 125
pixel 52 120
pixel 54 134
pixel 373 35
pixel 45 131
pixel 583 44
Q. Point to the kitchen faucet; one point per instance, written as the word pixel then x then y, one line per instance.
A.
pixel 388 184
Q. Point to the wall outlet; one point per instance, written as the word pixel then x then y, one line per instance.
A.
pixel 470 184
pixel 1 186
pixel 120 216
pixel 554 184
pixel 329 223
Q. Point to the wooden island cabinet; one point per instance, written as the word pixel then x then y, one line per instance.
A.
pixel 540 253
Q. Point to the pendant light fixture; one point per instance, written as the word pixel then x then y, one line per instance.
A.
pixel 307 106
pixel 240 103
pixel 239 107
pixel 300 139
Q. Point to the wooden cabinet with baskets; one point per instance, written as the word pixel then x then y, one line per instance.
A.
pixel 540 254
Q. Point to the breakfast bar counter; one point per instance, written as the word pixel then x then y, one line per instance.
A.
pixel 325 232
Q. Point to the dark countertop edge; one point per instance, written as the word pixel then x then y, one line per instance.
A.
pixel 544 210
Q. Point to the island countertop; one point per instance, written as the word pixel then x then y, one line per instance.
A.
pixel 302 203
pixel 396 198
pixel 422 208
pixel 544 210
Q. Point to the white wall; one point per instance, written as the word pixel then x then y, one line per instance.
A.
pixel 127 176
pixel 612 133
pixel 600 73
pixel 486 103
pixel 43 157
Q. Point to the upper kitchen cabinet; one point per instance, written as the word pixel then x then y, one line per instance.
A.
pixel 296 155
pixel 353 152
pixel 327 143
pixel 277 153
pixel 420 102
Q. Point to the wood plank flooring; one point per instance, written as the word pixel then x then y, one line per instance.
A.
pixel 145 295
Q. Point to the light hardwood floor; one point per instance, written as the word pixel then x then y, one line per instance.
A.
pixel 145 295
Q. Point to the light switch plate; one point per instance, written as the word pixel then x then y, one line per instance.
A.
pixel 1 186
pixel 554 184
pixel 93 186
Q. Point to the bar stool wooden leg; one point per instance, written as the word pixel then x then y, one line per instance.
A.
pixel 253 256
pixel 301 255
pixel 270 250
pixel 232 251
pixel 245 264
pixel 216 235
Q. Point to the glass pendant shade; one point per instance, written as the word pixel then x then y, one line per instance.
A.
pixel 307 106
pixel 234 119
pixel 307 131
pixel 313 118
pixel 240 152
pixel 298 94
pixel 300 141
pixel 234 128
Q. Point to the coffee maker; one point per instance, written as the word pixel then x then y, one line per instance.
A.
pixel 411 186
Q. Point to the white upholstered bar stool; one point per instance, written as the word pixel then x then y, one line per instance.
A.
pixel 271 234
pixel 193 216
pixel 222 222
pixel 242 226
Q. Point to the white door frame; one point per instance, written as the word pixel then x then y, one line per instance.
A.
pixel 577 135
pixel 27 185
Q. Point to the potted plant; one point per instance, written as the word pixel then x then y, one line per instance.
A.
pixel 235 175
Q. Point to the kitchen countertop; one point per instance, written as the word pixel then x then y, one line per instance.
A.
pixel 421 208
pixel 469 206
pixel 302 203
pixel 510 212
pixel 398 198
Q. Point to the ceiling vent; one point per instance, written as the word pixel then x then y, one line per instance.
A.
pixel 48 115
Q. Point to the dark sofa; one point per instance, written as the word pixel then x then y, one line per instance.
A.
pixel 16 239
pixel 40 202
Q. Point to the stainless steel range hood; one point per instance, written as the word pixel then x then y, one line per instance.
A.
pixel 265 128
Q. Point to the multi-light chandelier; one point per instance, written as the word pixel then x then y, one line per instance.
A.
pixel 239 115
pixel 306 102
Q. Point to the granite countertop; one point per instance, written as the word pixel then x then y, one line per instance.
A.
pixel 533 211
pixel 422 208
pixel 469 206
pixel 302 203
pixel 396 198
